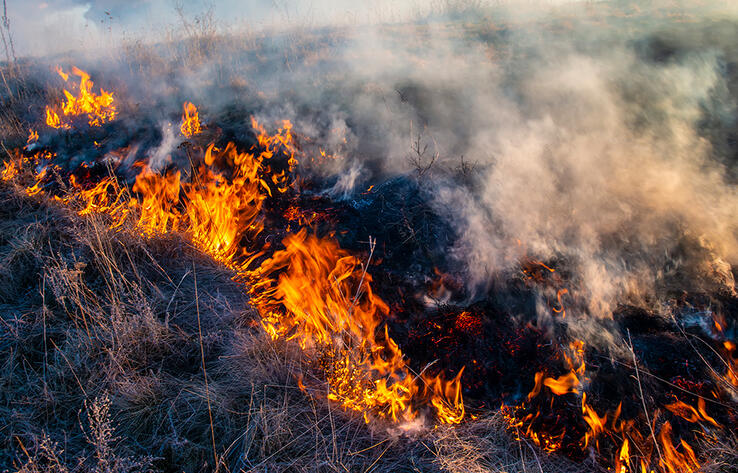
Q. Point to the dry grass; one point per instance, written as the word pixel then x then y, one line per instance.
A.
pixel 101 359
pixel 105 336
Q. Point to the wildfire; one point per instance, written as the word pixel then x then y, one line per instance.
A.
pixel 98 108
pixel 310 291
pixel 670 457
pixel 190 121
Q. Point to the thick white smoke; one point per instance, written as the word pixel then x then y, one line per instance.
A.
pixel 594 135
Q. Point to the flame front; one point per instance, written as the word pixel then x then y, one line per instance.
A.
pixel 658 449
pixel 312 291
pixel 98 108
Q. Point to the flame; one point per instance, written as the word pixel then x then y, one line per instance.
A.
pixel 690 414
pixel 98 108
pixel 450 405
pixel 563 384
pixel 673 460
pixel 61 73
pixel 312 291
pixel 159 196
pixel 595 422
pixel 271 143
pixel 10 169
pixel 561 309
pixel 32 136
pixel 679 458
pixel 190 121
pixel 53 119
pixel 319 295
pixel 622 462
pixel 105 197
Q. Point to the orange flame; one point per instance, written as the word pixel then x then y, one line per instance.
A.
pixel 312 291
pixel 319 295
pixel 159 196
pixel 690 414
pixel 98 108
pixel 673 460
pixel 622 462
pixel 190 121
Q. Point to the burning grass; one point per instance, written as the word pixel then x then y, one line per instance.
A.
pixel 115 323
pixel 208 296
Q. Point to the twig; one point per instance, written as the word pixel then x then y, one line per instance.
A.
pixel 202 359
pixel 372 245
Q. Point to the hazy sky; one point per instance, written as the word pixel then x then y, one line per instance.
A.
pixel 46 26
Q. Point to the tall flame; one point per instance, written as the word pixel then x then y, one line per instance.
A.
pixel 190 121
pixel 98 108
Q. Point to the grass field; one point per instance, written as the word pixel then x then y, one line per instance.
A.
pixel 604 136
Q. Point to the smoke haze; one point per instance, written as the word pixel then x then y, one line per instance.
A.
pixel 600 136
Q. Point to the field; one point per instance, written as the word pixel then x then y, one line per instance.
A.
pixel 487 239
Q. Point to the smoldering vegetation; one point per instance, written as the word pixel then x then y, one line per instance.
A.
pixel 598 140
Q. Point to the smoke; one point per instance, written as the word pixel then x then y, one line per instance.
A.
pixel 605 150
pixel 49 27
pixel 600 137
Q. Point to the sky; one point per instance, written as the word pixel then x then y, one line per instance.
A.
pixel 41 27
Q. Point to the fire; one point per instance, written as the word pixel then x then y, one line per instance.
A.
pixel 622 463
pixel 319 295
pixel 563 384
pixel 669 457
pixel 690 414
pixel 98 108
pixel 10 169
pixel 222 211
pixel 312 291
pixel 105 197
pixel 190 121
pixel 594 421
pixel 271 143
pixel 159 196
pixel 53 119
pixel 673 460
pixel 450 406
